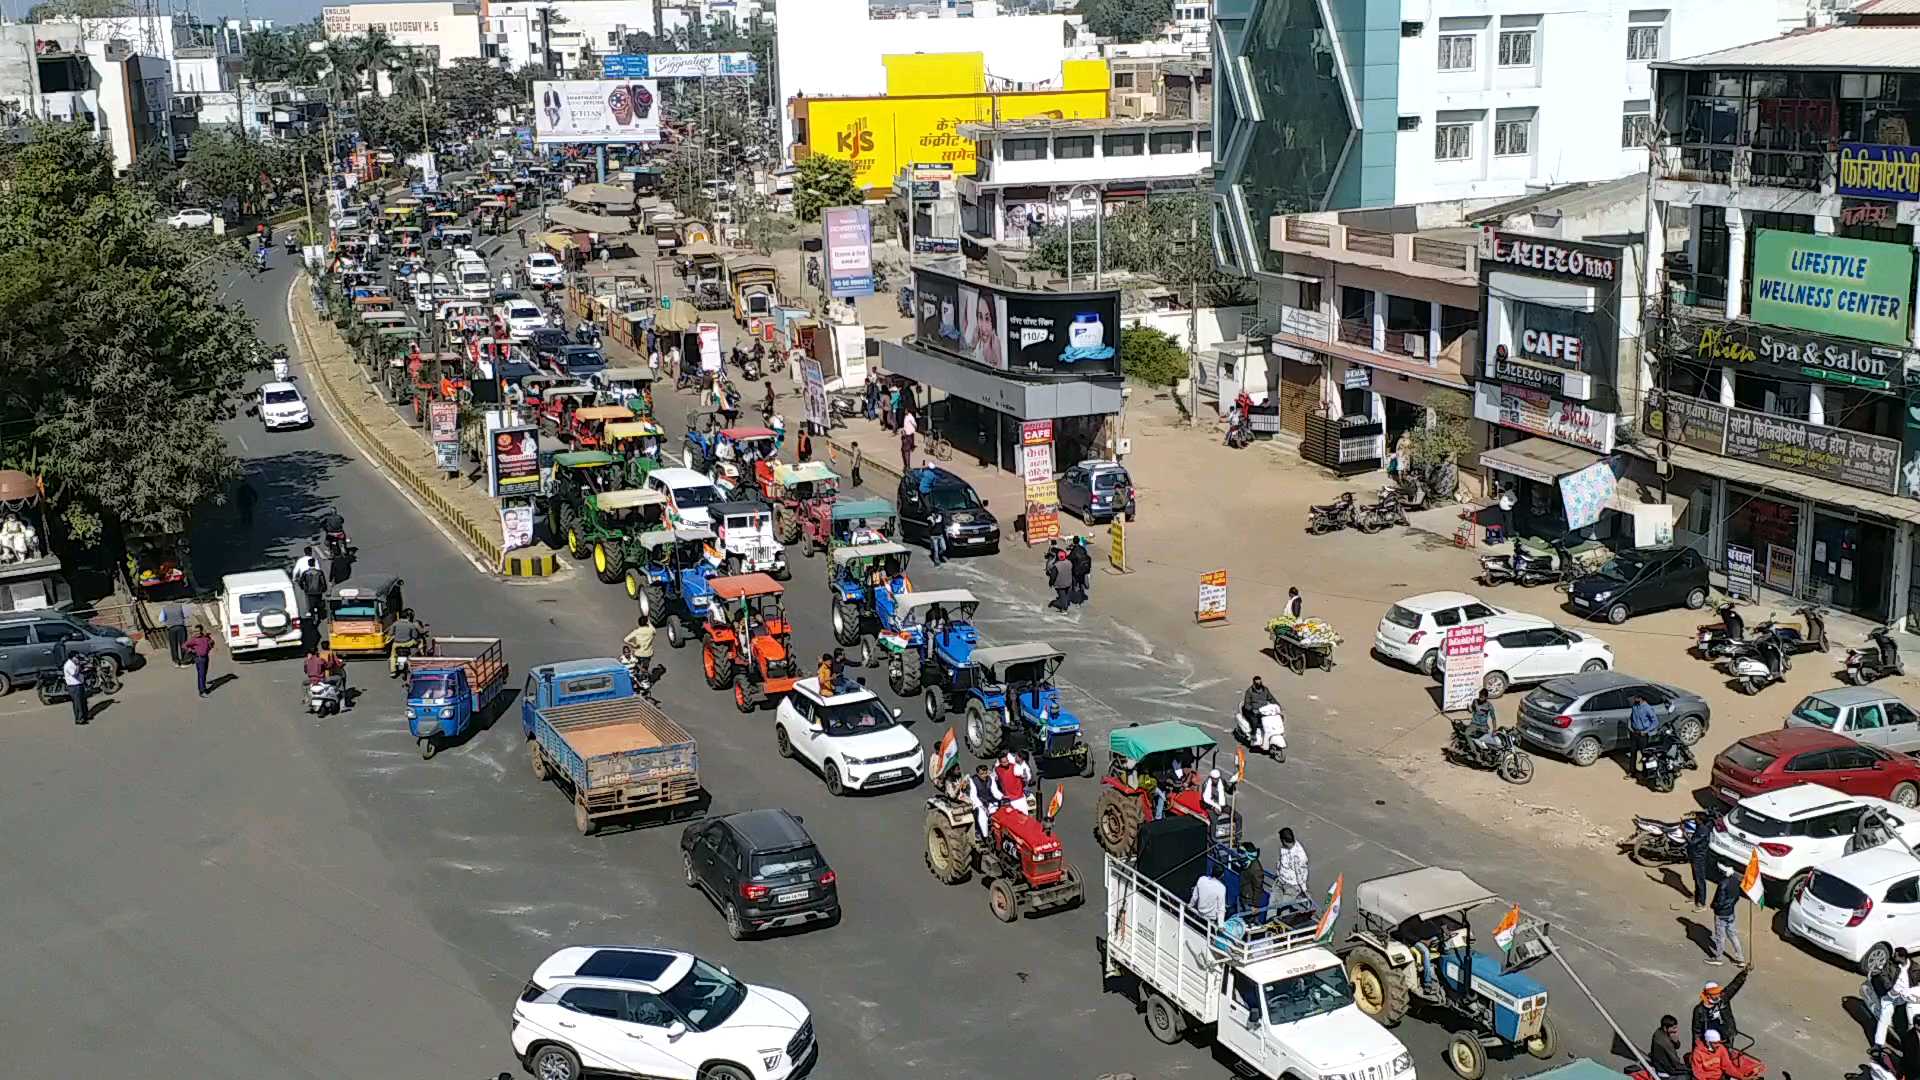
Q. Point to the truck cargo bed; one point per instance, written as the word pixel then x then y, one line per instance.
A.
pixel 481 657
pixel 613 743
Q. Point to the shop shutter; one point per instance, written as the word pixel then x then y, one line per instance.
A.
pixel 1299 393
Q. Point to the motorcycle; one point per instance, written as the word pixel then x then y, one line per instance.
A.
pixel 1273 731
pixel 585 334
pixel 645 677
pixel 1381 513
pixel 422 646
pixel 1867 664
pixel 325 697
pixel 1663 759
pixel 1528 567
pixel 1330 517
pixel 337 547
pixel 904 300
pixel 1239 430
pixel 293 243
pixel 1756 665
pixel 1810 637
pixel 1656 842
pixel 1714 640
pixel 1505 758
pixel 99 676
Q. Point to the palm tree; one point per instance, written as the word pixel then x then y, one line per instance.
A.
pixel 374 53
pixel 341 75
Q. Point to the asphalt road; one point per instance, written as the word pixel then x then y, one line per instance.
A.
pixel 246 891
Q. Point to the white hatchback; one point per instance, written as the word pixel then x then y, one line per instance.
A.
pixel 655 1013
pixel 1412 630
pixel 1805 826
pixel 853 740
pixel 1520 650
pixel 1861 907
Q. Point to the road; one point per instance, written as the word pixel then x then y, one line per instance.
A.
pixel 253 893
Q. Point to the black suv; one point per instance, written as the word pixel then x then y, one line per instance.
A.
pixel 970 525
pixel 763 870
pixel 1641 580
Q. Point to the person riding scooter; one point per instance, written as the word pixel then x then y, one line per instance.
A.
pixel 1256 698
pixel 407 634
pixel 325 667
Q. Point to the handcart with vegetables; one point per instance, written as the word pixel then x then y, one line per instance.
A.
pixel 1301 643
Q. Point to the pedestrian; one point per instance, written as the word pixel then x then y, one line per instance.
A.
pixel 245 498
pixel 1640 725
pixel 1714 1011
pixel 803 447
pixel 893 406
pixel 854 472
pixel 908 428
pixel 673 361
pixel 313 583
pixel 73 672
pixel 936 536
pixel 640 640
pixel 1885 992
pixel 174 617
pixel 870 403
pixel 1726 937
pixel 653 359
pixel 1700 856
pixel 766 404
pixel 1291 871
pixel 1060 580
pixel 200 646
pixel 1080 561
pixel 1295 602
pixel 305 562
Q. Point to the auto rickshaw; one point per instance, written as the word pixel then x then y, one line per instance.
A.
pixel 438 222
pixel 360 616
pixel 532 389
pixel 586 429
pixel 629 386
pixel 407 241
pixel 638 444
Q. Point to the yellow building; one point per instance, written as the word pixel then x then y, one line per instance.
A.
pixel 929 95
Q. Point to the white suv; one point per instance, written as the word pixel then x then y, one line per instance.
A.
pixel 544 271
pixel 1798 828
pixel 1520 650
pixel 854 740
pixel 655 1013
pixel 1861 907
pixel 1412 630
pixel 520 317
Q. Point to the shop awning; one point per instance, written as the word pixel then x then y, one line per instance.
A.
pixel 1019 399
pixel 567 217
pixel 1735 471
pixel 1538 459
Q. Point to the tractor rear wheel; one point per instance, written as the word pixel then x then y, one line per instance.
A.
pixel 947 856
pixel 788 524
pixel 1375 989
pixel 846 623
pixel 986 729
pixel 1118 816
pixel 576 547
pixel 1002 901
pixel 606 562
pixel 653 604
pixel 636 585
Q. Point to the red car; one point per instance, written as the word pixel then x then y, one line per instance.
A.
pixel 1780 759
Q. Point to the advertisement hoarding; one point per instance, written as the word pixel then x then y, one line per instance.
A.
pixel 849 239
pixel 709 346
pixel 1211 605
pixel 1036 467
pixel 1833 285
pixel 1873 171
pixel 1017 331
pixel 597 111
pixel 513 462
pixel 1787 354
pixel 814 389
pixel 679 65
pixel 1853 458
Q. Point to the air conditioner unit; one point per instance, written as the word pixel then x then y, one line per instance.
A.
pixel 1416 345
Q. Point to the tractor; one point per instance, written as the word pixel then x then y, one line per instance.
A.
pixel 637 444
pixel 703 435
pixel 610 524
pixel 736 453
pixel 1141 785
pixel 745 539
pixel 802 497
pixel 1413 944
pixel 672 581
pixel 851 521
pixel 1020 859
pixel 557 406
pixel 587 427
pixel 1013 704
pixel 862 575
pixel 573 476
pixel 748 641
pixel 931 638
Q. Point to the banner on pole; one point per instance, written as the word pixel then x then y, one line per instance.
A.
pixel 1117 545
pixel 1036 466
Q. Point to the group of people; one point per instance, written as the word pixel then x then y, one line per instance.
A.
pixel 1709 1055
pixel 1067 569
pixel 1005 783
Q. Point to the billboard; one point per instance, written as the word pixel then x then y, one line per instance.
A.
pixel 849 240
pixel 1833 285
pixel 1047 333
pixel 513 461
pixel 597 111
pixel 1872 171
pixel 679 65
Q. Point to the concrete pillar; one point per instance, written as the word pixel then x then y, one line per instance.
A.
pixel 1913 334
pixel 1726 386
pixel 1379 321
pixel 1736 260
pixel 1433 332
pixel 1902 576
pixel 1654 283
pixel 1817 404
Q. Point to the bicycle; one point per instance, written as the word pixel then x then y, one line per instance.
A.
pixel 939 448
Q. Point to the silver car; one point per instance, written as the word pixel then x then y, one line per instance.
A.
pixel 1097 491
pixel 1863 714
pixel 1583 717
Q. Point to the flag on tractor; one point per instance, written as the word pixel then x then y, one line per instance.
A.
pixel 1332 914
pixel 1059 799
pixel 943 754
pixel 1240 764
pixel 1503 930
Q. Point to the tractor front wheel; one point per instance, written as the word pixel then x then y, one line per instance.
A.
pixel 1118 816
pixel 936 704
pixel 636 586
pixel 1545 1042
pixel 846 623
pixel 744 697
pixel 788 524
pixel 905 676
pixel 1467 1056
pixel 1375 988
pixel 606 562
pixel 947 856
pixel 984 729
pixel 1002 901
pixel 576 547
pixel 717 666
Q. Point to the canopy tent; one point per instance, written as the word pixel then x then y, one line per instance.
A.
pixel 569 218
pixel 678 319
pixel 1136 743
pixel 603 195
pixel 1421 894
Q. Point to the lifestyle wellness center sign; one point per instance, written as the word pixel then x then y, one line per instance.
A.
pixel 1833 285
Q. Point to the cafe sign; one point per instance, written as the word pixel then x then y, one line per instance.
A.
pixel 1874 171
pixel 1846 457
pixel 1588 264
pixel 1790 353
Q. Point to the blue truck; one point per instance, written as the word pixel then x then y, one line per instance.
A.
pixel 452 690
pixel 591 733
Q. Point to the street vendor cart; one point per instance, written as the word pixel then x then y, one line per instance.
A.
pixel 1302 643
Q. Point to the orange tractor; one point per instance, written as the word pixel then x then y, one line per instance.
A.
pixel 747 641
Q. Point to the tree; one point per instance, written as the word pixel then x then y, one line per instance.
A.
pixel 820 182
pixel 1169 238
pixel 472 89
pixel 78 9
pixel 1152 356
pixel 396 123
pixel 226 166
pixel 118 360
pixel 374 52
pixel 1127 20
pixel 155 170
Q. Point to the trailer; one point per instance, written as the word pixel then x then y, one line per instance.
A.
pixel 614 752
pixel 452 689
pixel 1272 994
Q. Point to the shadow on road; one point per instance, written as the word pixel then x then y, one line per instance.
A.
pixel 286 521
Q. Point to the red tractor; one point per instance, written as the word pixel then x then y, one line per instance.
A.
pixel 1020 859
pixel 801 496
pixel 747 641
pixel 1154 770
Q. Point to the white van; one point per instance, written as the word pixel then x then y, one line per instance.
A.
pixel 475 282
pixel 260 611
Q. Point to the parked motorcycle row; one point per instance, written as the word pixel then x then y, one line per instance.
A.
pixel 1347 512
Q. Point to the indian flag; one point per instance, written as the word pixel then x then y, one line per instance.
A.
pixel 1750 882
pixel 943 755
pixel 1240 764
pixel 1504 929
pixel 1332 914
pixel 1054 804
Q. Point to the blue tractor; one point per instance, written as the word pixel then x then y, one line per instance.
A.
pixel 703 439
pixel 862 576
pixel 675 592
pixel 1012 704
pixel 930 638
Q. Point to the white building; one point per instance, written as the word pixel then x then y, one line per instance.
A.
pixel 448 30
pixel 561 35
pixel 52 71
pixel 1027 169
pixel 836 49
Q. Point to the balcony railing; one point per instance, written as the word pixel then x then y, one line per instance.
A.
pixel 1318 233
pixel 1742 166
pixel 1370 242
pixel 1441 253
pixel 1357 332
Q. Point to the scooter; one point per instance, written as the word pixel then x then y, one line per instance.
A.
pixel 1869 664
pixel 1714 640
pixel 1797 639
pixel 1526 568
pixel 324 697
pixel 1330 517
pixel 1273 731
pixel 1756 665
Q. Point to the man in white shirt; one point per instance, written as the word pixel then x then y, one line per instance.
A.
pixel 1210 898
pixel 1291 873
pixel 908 427
pixel 653 359
pixel 74 674
pixel 305 562
pixel 673 361
pixel 1902 992
pixel 1214 794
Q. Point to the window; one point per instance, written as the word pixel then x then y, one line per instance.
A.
pixel 1898 714
pixel 1829 826
pixel 1452 142
pixel 1123 80
pixel 1516 48
pixel 1456 52
pixel 1132 145
pixel 648 1009
pixel 49 633
pixel 1512 138
pixel 1025 150
pixel 1073 146
pixel 1171 142
pixel 594 1001
pixel 1206 141
pixel 1636 123
pixel 13 635
pixel 1643 42
pixel 1851 758
pixel 1866 718
pixel 1816 761
pixel 1904 892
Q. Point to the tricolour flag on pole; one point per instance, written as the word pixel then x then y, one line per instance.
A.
pixel 1750 882
pixel 1240 764
pixel 1059 799
pixel 1503 930
pixel 943 755
pixel 1332 914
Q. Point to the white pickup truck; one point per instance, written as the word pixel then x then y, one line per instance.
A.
pixel 1276 998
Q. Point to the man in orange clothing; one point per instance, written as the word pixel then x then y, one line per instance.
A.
pixel 1711 1060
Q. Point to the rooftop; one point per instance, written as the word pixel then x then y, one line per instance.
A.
pixel 1833 48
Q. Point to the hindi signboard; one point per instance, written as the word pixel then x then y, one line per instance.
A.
pixel 1212 604
pixel 1873 171
pixel 1036 467
pixel 1465 648
pixel 1740 573
pixel 513 461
